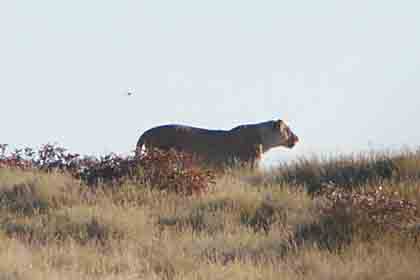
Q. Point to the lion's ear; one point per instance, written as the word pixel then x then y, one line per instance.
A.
pixel 278 124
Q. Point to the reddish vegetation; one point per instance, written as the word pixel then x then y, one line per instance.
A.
pixel 376 208
pixel 163 170
pixel 172 170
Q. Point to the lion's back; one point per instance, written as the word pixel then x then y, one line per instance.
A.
pixel 184 138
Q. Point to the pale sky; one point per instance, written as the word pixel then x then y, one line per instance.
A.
pixel 345 75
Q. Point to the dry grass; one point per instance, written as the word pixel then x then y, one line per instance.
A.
pixel 247 226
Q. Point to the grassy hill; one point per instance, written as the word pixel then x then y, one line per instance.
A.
pixel 343 218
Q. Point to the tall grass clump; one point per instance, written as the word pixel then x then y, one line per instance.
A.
pixel 349 171
pixel 30 192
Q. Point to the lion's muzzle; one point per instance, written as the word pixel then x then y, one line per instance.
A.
pixel 292 141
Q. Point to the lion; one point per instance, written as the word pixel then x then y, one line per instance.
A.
pixel 244 144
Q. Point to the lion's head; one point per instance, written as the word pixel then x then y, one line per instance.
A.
pixel 279 134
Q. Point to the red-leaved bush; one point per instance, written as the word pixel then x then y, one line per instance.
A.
pixel 370 208
pixel 174 171
pixel 163 170
pixel 364 215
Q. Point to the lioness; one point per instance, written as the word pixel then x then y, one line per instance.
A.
pixel 243 144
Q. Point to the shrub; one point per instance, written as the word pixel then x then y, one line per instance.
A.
pixel 375 208
pixel 162 170
pixel 363 214
pixel 174 171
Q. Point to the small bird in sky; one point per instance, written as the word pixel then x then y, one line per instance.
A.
pixel 128 92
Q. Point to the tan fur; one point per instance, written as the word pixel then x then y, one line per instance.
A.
pixel 243 144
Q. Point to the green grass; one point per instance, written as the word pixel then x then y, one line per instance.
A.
pixel 249 225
